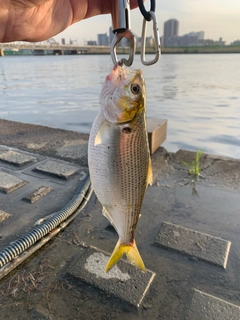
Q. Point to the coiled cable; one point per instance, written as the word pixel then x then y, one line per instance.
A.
pixel 20 245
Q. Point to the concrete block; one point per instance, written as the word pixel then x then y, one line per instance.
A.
pixel 157 133
pixel 73 150
pixel 59 169
pixel 37 194
pixel 123 281
pixel 200 245
pixel 16 158
pixel 205 307
pixel 3 215
pixel 9 182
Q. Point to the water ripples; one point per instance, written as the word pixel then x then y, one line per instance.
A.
pixel 198 94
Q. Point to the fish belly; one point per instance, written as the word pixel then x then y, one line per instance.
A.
pixel 118 166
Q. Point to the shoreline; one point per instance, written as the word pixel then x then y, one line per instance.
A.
pixel 105 50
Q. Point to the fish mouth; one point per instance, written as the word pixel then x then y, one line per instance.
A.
pixel 118 103
pixel 118 75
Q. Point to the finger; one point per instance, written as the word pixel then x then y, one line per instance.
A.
pixel 96 7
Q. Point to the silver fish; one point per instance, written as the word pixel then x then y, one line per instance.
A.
pixel 118 157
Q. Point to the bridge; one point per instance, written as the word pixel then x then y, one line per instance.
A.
pixel 50 46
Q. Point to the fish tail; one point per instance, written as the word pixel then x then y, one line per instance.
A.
pixel 132 253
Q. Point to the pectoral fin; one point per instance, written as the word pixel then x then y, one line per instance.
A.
pixel 97 139
pixel 101 135
pixel 149 172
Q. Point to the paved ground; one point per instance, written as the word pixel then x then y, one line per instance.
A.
pixel 188 236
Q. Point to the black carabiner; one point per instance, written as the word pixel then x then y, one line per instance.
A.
pixel 144 12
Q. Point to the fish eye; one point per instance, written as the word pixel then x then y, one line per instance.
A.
pixel 135 88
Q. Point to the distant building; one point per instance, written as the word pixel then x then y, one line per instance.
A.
pixel 191 39
pixel 102 39
pixel 150 42
pixel 235 43
pixel 71 41
pixel 206 42
pixel 200 35
pixel 220 42
pixel 91 43
pixel 171 29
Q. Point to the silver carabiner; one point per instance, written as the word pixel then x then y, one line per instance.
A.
pixel 121 29
pixel 156 41
pixel 132 42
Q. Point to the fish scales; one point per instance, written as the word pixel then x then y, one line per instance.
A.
pixel 121 171
pixel 119 165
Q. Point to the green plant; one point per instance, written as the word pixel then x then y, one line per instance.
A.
pixel 195 165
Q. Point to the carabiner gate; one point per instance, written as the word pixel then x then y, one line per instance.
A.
pixel 156 40
pixel 132 42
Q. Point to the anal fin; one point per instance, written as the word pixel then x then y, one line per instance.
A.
pixel 108 215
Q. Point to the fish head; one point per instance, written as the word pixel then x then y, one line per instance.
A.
pixel 123 95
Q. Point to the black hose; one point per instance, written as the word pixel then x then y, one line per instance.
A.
pixel 18 246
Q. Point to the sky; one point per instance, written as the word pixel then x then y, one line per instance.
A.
pixel 217 18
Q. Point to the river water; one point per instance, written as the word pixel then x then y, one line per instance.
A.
pixel 198 94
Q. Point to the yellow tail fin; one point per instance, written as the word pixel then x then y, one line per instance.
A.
pixel 132 255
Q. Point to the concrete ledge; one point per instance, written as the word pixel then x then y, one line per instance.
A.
pixel 3 215
pixel 157 133
pixel 16 158
pixel 56 168
pixel 206 307
pixel 200 245
pixel 73 150
pixel 123 281
pixel 37 194
pixel 9 182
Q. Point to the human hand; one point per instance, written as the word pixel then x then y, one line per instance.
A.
pixel 37 20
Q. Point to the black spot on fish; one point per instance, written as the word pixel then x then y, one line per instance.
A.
pixel 126 130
